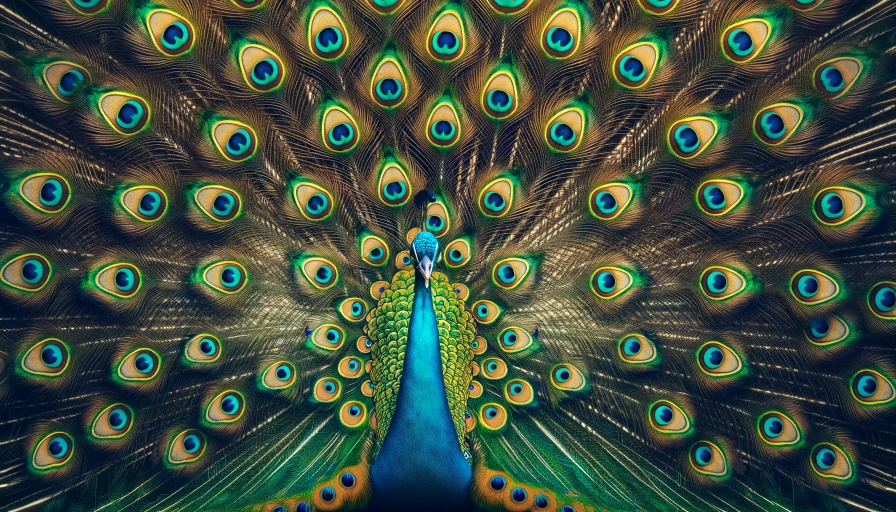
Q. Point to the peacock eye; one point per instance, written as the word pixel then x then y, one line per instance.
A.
pixel 385 6
pixel 350 367
pixel 870 387
pixel 113 422
pixel 394 187
pixel 479 345
pixel 327 390
pixel 403 260
pixel 718 360
pixel 314 201
pixel 65 79
pixel 227 277
pixel 279 375
pixel 742 41
pixel 475 389
pixel 28 272
pixel 327 37
pixel 718 197
pixel 635 65
pixel 186 447
pixel 437 220
pixel 170 32
pixel 514 339
pixel 364 344
pixel 121 280
pixel 813 287
pixel 443 126
pixel 804 5
pixel 827 330
pixel 352 309
pixel 882 300
pixel 500 97
pixel 126 113
pixel 829 461
pixel 835 77
pixel 567 377
pixel 248 4
pixel 145 202
pixel 611 282
pixel 462 291
pixel 777 429
pixel 691 136
pixel 722 283
pixel 509 6
pixel 510 273
pixel 708 459
pixel 352 414
pixel 89 7
pixel 140 365
pixel 560 36
pixel 486 312
pixel 53 451
pixel 835 206
pixel 494 368
pixel 637 349
pixel 389 85
pixel 262 69
pixel 668 418
pixel 457 253
pixel 774 124
pixel 203 348
pixel 320 273
pixel 226 407
pixel 339 130
pixel 47 358
pixel 446 40
pixel 608 201
pixel 658 7
pixel 519 392
pixel 234 140
pixel 496 197
pixel 328 337
pixel 563 132
pixel 218 202
pixel 493 416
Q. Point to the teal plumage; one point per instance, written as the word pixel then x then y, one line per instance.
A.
pixel 656 237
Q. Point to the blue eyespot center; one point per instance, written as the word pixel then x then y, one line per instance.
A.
pixel 867 386
pixel 341 134
pixel 323 274
pixel 129 114
pixel 328 40
pixel 231 276
pixel 330 387
pixel 328 494
pixel 717 282
pixel 606 282
pixel 885 299
pixel 740 42
pixel 51 192
pixel 663 415
pixel 347 479
pixel 223 204
pixel 832 79
pixel 832 205
pixel 808 286
pixel 632 346
pixel 58 447
pixel 70 81
pixel 230 404
pixel 125 279
pixel 606 202
pixel 825 458
pixel 559 39
pixel 32 271
pixel 191 443
pixel 703 455
pixel 518 494
pixel 563 134
pixel 144 363
pixel 820 327
pixel 239 142
pixel 715 197
pixel 632 69
pixel 542 501
pixel 118 419
pixel 388 89
pixel 497 483
pixel 265 71
pixel 455 255
pixel 499 100
pixel 395 190
pixel 687 139
pixel 713 357
pixel 562 375
pixel 208 346
pixel 283 372
pixel 51 356
pixel 150 203
pixel 175 36
pixel 773 125
pixel 445 42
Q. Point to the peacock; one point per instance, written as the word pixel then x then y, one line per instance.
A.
pixel 565 255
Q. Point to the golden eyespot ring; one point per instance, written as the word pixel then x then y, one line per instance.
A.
pixel 836 206
pixel 519 392
pixel 777 429
pixel 262 69
pixel 389 84
pixel 227 407
pixel 203 348
pixel 320 273
pixel 394 187
pixel 27 272
pixel 443 128
pixel 668 418
pixel 88 7
pixel 718 360
pixel 145 203
pixel 437 220
pixel 691 136
pixel 827 330
pixel 328 337
pixel 509 6
pixel 64 79
pixel 469 421
pixel 327 37
pixel 140 365
pixel 708 459
pixel 54 450
pixel 457 253
pixel 560 35
pixel 493 416
pixel 776 123
pixel 721 283
pixel 485 311
pixel 125 113
pixel 378 288
pixel 609 201
pixel 327 390
pixel 634 65
pixel 742 41
pixel 510 273
pixel 446 40
pixel 658 7
pixel 364 344
pixel 218 202
pixel 479 345
pixel 385 6
pixel 475 389
pixel 367 388
pixel 350 367
pixel 882 300
pixel 513 339
pixel 564 131
pixel 339 130
pixel 374 251
pixel 500 96
pixel 121 280
pixel 567 377
pixel 496 198
pixel 171 33
pixel 47 358
pixel 835 77
pixel 813 287
pixel 829 461
pixel 637 349
pixel 279 375
pixel 403 260
pixel 717 197
pixel 234 140
pixel 227 277
pixel 186 447
pixel 113 422
pixel 352 414
pixel 494 368
pixel 462 290
pixel 871 387
pixel 611 282
pixel 314 202
pixel 353 309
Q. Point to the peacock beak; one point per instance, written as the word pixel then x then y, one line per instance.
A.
pixel 425 267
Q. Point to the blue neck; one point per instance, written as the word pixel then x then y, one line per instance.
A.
pixel 420 464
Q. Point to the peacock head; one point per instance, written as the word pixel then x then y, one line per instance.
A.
pixel 425 251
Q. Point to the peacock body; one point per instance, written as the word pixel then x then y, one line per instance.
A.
pixel 280 256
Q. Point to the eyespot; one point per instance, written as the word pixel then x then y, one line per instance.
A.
pixel 567 377
pixel 262 69
pixel 170 32
pixel 610 282
pixel 374 251
pixel 812 287
pixel 475 389
pixel 718 360
pixel 437 220
pixel 248 4
pixel 668 418
pixel 53 451
pixel 126 113
pixel 121 280
pixel 350 367
pixel 320 273
pixel 443 126
pixel 364 344
pixel 708 459
pixel 279 375
pixel 367 388
pixel 113 422
pixel 394 187
pixel 497 483
pixel 385 6
pixel 510 273
pixel 493 416
pixel 389 85
pixel 634 66
pixel 500 97
pixel 327 390
pixel 227 407
pixel 509 6
pixel 870 387
pixel 519 392
pixel 203 348
pixel 658 7
pixel 88 7
pixel 462 291
pixel 447 41
pixel 835 77
pixel 28 272
pixel 235 141
pixel 186 447
pixel 352 414
pixel 742 41
pixel 542 501
pixel 339 130
pixel 45 191
pixel 140 365
pixel 827 330
pixel 777 429
pixel 403 260
pixel 637 349
pixel 457 253
pixel 145 202
pixel 496 198
pixel 560 36
pixel 218 202
pixel 65 79
pixel 328 337
pixel 494 368
pixel 718 197
pixel 514 339
pixel 486 311
pixel 353 309
pixel 314 202
pixel 835 206
pixel 47 358
pixel 327 37
pixel 882 300
pixel 226 276
pixel 691 136
pixel 804 5
pixel 565 129
pixel 479 345
pixel 721 283
pixel 831 462
pixel 774 124
pixel 609 201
